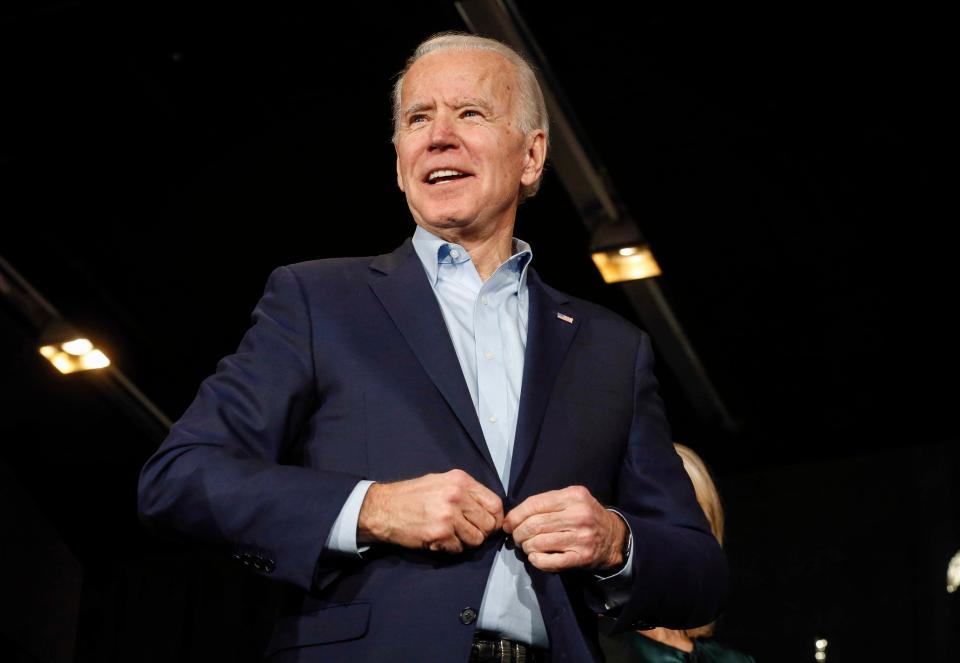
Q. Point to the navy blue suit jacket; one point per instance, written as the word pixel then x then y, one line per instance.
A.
pixel 348 373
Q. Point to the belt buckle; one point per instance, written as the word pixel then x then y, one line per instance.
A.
pixel 519 653
pixel 502 650
pixel 511 651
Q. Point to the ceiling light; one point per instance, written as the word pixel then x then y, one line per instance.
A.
pixel 953 573
pixel 620 252
pixel 77 354
pixel 626 263
pixel 821 646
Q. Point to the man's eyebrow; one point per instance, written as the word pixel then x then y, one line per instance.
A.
pixel 472 101
pixel 417 108
pixel 422 106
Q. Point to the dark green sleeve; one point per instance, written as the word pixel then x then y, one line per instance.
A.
pixel 712 652
pixel 631 647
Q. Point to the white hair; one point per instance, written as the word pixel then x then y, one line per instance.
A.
pixel 531 112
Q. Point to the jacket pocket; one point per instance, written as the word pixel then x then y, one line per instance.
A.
pixel 333 624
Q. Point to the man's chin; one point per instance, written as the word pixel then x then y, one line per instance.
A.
pixel 446 220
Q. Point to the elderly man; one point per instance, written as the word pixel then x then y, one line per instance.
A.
pixel 447 459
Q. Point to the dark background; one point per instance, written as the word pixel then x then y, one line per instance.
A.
pixel 789 166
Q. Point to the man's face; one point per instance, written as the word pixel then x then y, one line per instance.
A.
pixel 460 157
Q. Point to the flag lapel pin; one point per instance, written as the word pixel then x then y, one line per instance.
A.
pixel 565 318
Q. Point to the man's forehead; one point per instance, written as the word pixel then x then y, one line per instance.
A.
pixel 459 76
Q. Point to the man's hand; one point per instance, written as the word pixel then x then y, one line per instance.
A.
pixel 567 529
pixel 438 512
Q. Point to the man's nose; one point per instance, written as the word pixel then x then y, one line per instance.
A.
pixel 443 134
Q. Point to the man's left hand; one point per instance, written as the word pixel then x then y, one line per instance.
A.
pixel 567 529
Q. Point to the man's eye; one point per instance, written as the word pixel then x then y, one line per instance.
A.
pixel 470 113
pixel 414 119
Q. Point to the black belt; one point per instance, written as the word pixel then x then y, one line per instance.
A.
pixel 488 648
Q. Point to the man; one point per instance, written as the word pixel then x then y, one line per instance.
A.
pixel 447 458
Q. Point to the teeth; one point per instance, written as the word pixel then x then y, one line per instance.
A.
pixel 443 173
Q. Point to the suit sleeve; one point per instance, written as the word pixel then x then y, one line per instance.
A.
pixel 679 574
pixel 218 476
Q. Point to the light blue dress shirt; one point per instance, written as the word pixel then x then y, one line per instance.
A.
pixel 487 323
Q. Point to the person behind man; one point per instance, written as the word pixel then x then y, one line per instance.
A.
pixel 664 645
pixel 444 457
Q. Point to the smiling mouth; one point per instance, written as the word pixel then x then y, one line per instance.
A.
pixel 445 175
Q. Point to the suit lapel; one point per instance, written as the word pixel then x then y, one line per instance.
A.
pixel 548 339
pixel 404 291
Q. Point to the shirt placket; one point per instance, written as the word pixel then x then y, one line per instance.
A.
pixel 491 376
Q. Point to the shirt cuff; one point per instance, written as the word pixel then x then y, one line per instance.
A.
pixel 343 535
pixel 615 588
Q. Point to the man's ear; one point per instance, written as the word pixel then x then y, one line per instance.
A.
pixel 534 157
pixel 399 177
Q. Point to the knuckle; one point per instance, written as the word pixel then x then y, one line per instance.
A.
pixel 438 532
pixel 589 551
pixel 576 519
pixel 445 514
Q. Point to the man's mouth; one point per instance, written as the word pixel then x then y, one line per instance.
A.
pixel 445 175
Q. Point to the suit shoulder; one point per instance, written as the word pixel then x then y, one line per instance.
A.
pixel 324 275
pixel 331 267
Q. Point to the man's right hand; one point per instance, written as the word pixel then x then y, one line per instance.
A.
pixel 438 512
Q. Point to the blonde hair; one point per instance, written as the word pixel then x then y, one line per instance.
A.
pixel 709 500
pixel 531 112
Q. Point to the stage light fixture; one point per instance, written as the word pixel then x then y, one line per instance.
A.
pixel 821 647
pixel 620 251
pixel 953 573
pixel 74 355
pixel 626 263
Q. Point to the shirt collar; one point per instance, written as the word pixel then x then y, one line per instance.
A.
pixel 433 251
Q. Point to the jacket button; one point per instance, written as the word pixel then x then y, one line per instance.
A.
pixel 468 616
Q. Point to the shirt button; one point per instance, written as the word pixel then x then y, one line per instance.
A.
pixel 493 419
pixel 454 254
pixel 488 355
pixel 483 300
pixel 468 616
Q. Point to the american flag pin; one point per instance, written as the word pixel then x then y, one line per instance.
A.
pixel 565 318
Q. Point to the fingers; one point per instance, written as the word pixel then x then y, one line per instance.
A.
pixel 480 506
pixel 540 523
pixel 490 502
pixel 565 529
pixel 550 542
pixel 554 561
pixel 450 545
pixel 532 505
pixel 467 533
pixel 550 501
pixel 481 519
pixel 465 514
